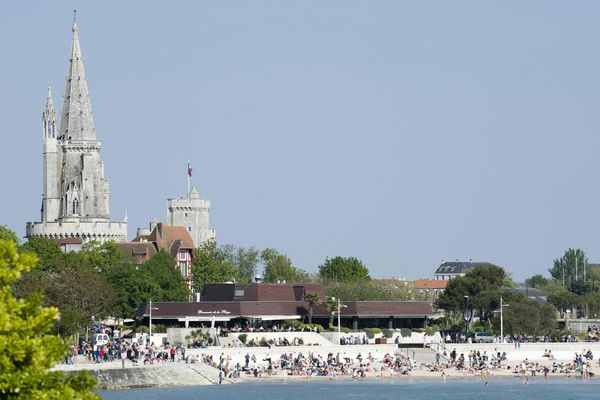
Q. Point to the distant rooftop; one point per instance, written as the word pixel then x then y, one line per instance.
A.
pixel 459 267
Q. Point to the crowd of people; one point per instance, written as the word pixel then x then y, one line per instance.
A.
pixel 311 364
pixel 482 363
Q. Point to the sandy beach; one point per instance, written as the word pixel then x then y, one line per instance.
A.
pixel 378 362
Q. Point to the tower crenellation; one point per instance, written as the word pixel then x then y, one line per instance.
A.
pixel 193 213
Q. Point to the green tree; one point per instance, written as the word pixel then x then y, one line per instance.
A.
pixel 100 257
pixel 132 287
pixel 162 270
pixel 564 300
pixel 373 290
pixel 536 281
pixel 27 348
pixel 478 290
pixel 278 267
pixel 526 317
pixel 244 260
pixel 48 251
pixel 312 299
pixel 78 294
pixel 212 265
pixel 7 234
pixel 569 269
pixel 344 269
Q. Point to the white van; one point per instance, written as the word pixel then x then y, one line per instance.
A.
pixel 100 339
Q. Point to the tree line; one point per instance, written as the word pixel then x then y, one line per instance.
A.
pixel 100 281
pixel 573 285
pixel 472 302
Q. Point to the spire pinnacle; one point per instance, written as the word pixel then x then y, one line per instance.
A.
pixel 76 120
pixel 74 28
pixel 49 116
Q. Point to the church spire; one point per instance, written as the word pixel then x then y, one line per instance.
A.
pixel 49 117
pixel 76 120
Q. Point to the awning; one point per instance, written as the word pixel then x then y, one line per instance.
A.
pixel 272 317
pixel 205 318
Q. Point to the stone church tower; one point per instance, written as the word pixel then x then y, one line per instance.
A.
pixel 75 200
pixel 192 212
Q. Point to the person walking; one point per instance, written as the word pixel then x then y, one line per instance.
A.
pixel 123 355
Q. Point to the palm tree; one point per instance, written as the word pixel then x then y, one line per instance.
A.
pixel 311 299
pixel 332 306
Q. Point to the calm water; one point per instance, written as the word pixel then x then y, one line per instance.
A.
pixel 496 389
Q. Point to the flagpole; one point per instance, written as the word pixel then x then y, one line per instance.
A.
pixel 189 178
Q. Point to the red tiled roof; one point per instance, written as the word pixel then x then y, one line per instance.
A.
pixel 137 249
pixel 431 284
pixel 165 236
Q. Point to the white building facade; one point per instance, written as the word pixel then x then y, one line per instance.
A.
pixel 75 199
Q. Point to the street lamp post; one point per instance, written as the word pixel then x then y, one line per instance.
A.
pixel 502 305
pixel 339 316
pixel 467 310
pixel 150 322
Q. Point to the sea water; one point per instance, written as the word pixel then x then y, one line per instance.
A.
pixel 413 389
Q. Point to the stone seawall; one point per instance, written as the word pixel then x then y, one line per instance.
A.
pixel 112 376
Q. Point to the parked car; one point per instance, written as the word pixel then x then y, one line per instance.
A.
pixel 100 339
pixel 483 337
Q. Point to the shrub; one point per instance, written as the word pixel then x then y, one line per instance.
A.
pixel 376 330
pixel 263 342
pixel 369 333
pixel 405 332
pixel 418 330
pixel 294 323
pixel 312 327
pixel 345 330
pixel 430 330
pixel 242 338
pixel 388 333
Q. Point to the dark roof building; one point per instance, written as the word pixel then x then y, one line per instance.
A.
pixel 260 302
pixel 452 269
pixel 260 292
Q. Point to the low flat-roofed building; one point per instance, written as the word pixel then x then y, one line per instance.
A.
pixel 260 303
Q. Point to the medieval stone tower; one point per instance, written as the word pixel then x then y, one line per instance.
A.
pixel 75 199
pixel 191 212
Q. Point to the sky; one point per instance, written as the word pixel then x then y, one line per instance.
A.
pixel 401 133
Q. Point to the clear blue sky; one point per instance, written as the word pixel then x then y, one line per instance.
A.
pixel 401 133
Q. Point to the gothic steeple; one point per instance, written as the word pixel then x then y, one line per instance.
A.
pixel 76 120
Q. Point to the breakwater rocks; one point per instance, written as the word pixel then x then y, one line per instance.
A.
pixel 112 376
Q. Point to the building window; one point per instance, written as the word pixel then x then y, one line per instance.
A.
pixel 183 268
pixel 186 214
pixel 238 293
pixel 189 228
